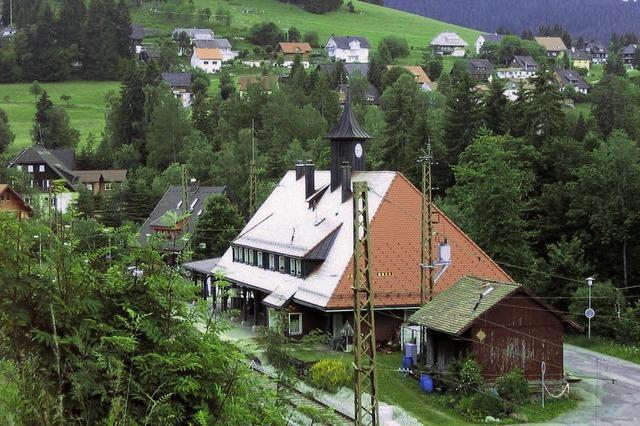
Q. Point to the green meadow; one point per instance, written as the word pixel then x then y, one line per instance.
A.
pixel 86 108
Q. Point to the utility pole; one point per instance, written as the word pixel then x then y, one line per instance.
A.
pixel 185 207
pixel 253 174
pixel 366 412
pixel 426 252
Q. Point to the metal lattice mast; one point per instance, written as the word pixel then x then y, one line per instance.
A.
pixel 426 252
pixel 366 385
pixel 253 174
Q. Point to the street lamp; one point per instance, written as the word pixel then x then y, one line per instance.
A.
pixel 589 313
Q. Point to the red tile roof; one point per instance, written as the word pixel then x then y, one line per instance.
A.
pixel 395 244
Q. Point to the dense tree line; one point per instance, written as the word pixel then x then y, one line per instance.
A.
pixel 595 19
pixel 88 42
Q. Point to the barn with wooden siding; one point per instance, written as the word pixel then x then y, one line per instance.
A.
pixel 500 324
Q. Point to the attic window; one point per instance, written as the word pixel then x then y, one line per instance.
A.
pixel 193 203
pixel 487 292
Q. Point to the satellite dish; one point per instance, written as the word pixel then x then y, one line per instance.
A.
pixel 589 313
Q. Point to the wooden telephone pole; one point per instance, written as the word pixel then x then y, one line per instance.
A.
pixel 426 252
pixel 365 333
pixel 253 174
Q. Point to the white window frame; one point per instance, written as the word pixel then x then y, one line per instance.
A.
pixel 108 186
pixel 297 332
pixel 251 256
pixel 246 255
pixel 46 183
pixel 272 261
pixel 30 168
pixel 281 266
pixel 41 168
pixel 260 259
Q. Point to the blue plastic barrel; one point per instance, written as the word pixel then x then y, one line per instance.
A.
pixel 426 383
pixel 407 362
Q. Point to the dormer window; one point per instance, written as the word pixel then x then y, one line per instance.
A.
pixel 260 259
pixel 272 261
pixel 246 256
pixel 292 266
pixel 281 266
pixel 251 256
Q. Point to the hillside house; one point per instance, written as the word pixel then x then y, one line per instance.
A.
pixel 449 44
pixel 554 46
pixel 46 166
pixel 628 55
pixel 136 35
pixel 268 82
pixel 599 53
pixel 566 78
pixel 349 49
pixel 501 324
pixel 11 203
pixel 173 217
pixel 193 34
pixel 296 253
pixel 581 59
pixel 207 59
pixel 101 181
pixel 520 68
pixel 480 69
pixel 221 44
pixel 290 50
pixel 180 85
pixel 422 79
pixel 487 38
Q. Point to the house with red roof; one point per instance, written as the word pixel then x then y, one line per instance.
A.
pixel 296 253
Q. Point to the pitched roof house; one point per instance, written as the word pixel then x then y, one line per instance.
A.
pixel 296 252
pixel 207 59
pixel 571 78
pixel 291 50
pixel 487 38
pixel 217 43
pixel 449 44
pixel 349 49
pixel 193 33
pixel 553 45
pixel 12 203
pixel 500 323
pixel 480 69
pixel 422 79
pixel 628 55
pixel 599 53
pixel 174 216
pixel 180 84
pixel 520 68
pixel 581 59
pixel 101 181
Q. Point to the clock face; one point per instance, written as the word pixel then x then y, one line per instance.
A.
pixel 358 150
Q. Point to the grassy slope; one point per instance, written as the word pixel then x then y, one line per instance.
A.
pixel 373 22
pixel 607 347
pixel 86 110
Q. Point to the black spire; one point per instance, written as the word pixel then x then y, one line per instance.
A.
pixel 347 146
pixel 347 127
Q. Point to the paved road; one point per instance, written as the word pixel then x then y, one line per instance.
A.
pixel 604 402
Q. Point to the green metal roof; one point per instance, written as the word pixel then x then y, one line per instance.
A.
pixel 452 311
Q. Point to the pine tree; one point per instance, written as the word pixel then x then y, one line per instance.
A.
pixel 100 49
pixel 70 23
pixel 218 225
pixel 580 131
pixel 495 108
pixel 6 135
pixel 43 107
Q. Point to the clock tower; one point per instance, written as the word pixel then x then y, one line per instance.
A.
pixel 347 145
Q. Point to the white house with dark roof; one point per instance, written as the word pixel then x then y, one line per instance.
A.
pixel 520 68
pixel 296 253
pixel 349 49
pixel 487 38
pixel 599 53
pixel 571 78
pixel 628 54
pixel 179 83
pixel 222 44
pixel 449 44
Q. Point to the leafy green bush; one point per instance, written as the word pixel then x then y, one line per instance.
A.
pixel 513 387
pixel 470 378
pixel 329 374
pixel 480 404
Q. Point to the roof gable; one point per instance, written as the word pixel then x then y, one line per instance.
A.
pixel 4 188
pixel 448 39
